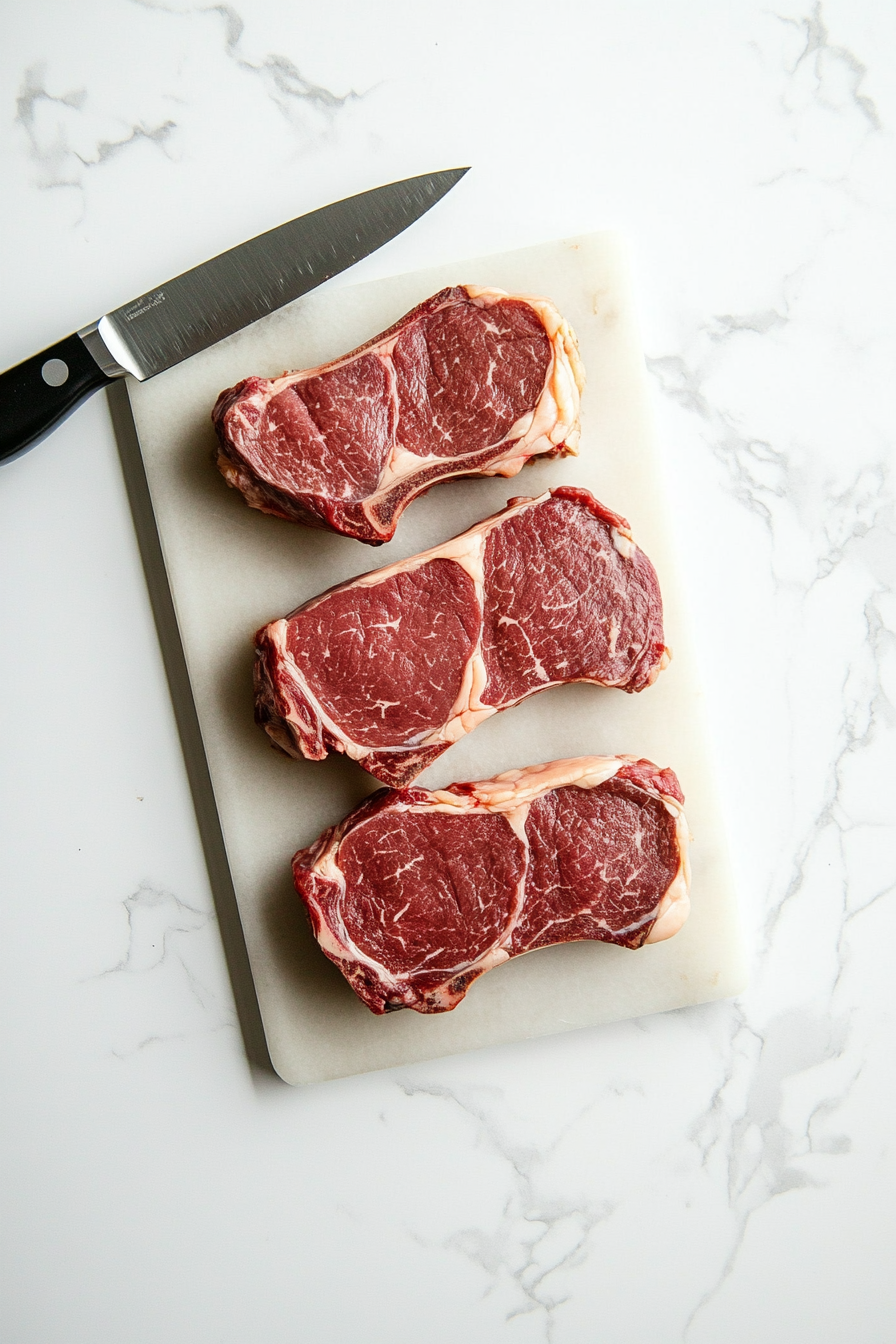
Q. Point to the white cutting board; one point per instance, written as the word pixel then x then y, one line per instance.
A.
pixel 231 569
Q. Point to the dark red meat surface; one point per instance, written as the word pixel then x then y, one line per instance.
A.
pixel 561 601
pixel 381 689
pixel 614 840
pixel 455 875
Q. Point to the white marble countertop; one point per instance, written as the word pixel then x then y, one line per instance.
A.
pixel 719 1173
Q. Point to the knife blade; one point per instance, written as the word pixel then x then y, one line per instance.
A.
pixel 207 303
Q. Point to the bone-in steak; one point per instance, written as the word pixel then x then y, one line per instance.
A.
pixel 393 667
pixel 473 382
pixel 417 893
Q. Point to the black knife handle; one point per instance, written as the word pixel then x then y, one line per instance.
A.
pixel 42 390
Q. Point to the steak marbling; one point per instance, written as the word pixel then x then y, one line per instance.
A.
pixel 417 893
pixel 471 382
pixel 393 667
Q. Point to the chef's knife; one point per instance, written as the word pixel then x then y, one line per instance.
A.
pixel 206 304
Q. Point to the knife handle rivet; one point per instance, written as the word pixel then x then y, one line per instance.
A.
pixel 54 372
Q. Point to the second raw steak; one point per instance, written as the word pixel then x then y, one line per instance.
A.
pixel 393 667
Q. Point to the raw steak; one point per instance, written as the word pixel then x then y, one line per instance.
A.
pixel 473 382
pixel 393 667
pixel 416 894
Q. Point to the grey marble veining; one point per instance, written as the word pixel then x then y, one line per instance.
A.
pixel 53 125
pixel 170 942
pixel 723 1172
pixel 281 80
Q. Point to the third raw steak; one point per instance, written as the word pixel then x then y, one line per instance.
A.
pixel 416 894
pixel 473 382
pixel 393 667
